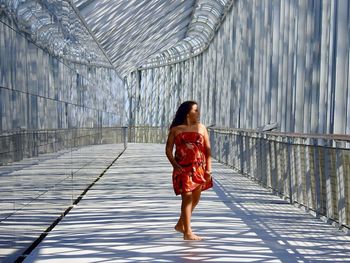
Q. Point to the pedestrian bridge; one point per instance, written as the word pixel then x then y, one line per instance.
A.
pixel 271 79
pixel 118 206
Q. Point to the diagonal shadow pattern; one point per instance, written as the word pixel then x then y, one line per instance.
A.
pixel 128 216
pixel 36 191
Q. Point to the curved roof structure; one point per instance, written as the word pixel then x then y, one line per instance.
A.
pixel 206 19
pixel 144 33
pixel 130 31
pixel 54 26
pixel 126 34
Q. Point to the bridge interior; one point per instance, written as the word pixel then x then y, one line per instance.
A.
pixel 88 89
pixel 128 215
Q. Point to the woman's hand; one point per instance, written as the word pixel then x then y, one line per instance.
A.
pixel 207 175
pixel 178 167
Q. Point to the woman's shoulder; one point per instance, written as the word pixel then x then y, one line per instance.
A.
pixel 201 126
pixel 182 128
pixel 175 130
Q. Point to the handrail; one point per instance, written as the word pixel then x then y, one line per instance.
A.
pixel 340 137
pixel 18 144
pixel 311 170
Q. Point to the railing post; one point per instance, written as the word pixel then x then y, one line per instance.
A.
pixel 268 161
pixel 279 164
pixel 264 156
pixel 299 172
pixel 241 152
pixel 125 137
pixel 317 178
pixel 308 175
pixel 340 184
pixel 273 162
pixel 328 178
pixel 292 169
pixel 258 158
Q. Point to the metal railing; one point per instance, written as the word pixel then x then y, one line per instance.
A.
pixel 19 144
pixel 310 170
pixel 43 173
pixel 147 134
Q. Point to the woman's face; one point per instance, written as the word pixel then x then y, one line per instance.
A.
pixel 193 115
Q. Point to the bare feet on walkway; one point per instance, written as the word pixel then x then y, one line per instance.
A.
pixel 191 236
pixel 179 228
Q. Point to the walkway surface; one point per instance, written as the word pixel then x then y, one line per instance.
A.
pixel 129 215
pixel 36 191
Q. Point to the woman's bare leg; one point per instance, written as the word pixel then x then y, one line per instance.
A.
pixel 189 202
pixel 179 226
pixel 196 194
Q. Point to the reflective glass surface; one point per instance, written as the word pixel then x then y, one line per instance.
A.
pixel 59 130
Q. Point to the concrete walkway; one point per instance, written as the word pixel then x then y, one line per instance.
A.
pixel 36 191
pixel 129 215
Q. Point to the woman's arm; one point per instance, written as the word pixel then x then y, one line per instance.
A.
pixel 169 149
pixel 207 150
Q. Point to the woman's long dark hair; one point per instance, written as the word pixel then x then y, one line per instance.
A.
pixel 182 112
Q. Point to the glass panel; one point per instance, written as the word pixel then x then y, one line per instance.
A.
pixel 53 142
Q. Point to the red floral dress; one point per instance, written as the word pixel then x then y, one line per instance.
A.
pixel 190 154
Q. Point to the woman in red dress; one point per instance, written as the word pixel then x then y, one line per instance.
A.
pixel 192 162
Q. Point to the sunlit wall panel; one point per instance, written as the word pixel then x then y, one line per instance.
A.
pixel 39 91
pixel 271 61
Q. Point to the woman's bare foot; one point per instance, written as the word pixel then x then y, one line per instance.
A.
pixel 179 228
pixel 191 236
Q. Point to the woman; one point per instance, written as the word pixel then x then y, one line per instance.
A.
pixel 192 162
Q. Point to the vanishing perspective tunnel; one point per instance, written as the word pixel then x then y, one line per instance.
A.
pixel 80 80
